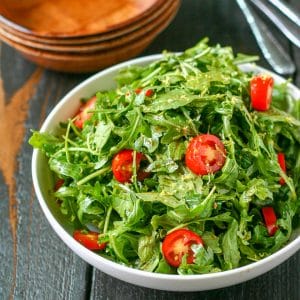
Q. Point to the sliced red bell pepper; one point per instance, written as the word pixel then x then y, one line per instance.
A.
pixel 58 184
pixel 148 93
pixel 281 161
pixel 88 239
pixel 270 219
pixel 261 87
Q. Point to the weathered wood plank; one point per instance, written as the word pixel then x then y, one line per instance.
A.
pixel 221 21
pixel 281 283
pixel 34 262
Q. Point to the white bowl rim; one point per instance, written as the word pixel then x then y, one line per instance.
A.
pixel 261 266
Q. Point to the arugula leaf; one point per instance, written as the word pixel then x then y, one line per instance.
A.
pixel 48 143
pixel 230 246
pixel 148 252
pixel 199 91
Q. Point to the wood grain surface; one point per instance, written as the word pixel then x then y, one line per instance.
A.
pixel 34 262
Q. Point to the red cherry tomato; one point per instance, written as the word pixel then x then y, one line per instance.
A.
pixel 122 166
pixel 205 154
pixel 84 112
pixel 89 239
pixel 177 244
pixel 261 87
pixel 148 93
pixel 281 161
pixel 270 219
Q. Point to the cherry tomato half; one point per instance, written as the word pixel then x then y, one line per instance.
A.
pixel 281 161
pixel 205 154
pixel 261 87
pixel 177 244
pixel 89 239
pixel 84 112
pixel 122 166
pixel 270 219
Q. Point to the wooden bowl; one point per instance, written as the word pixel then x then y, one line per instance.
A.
pixel 64 18
pixel 90 38
pixel 83 63
pixel 164 13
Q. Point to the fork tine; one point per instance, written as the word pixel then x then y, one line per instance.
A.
pixel 289 29
pixel 287 10
pixel 277 57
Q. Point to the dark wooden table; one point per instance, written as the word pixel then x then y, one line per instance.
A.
pixel 34 262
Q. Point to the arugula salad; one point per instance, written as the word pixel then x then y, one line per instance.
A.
pixel 189 166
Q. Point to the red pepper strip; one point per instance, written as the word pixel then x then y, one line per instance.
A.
pixel 281 161
pixel 88 239
pixel 270 219
pixel 261 87
pixel 138 91
pixel 59 183
pixel 148 93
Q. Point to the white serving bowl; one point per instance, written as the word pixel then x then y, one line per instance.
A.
pixel 43 183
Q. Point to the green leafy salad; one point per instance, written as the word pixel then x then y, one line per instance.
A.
pixel 189 166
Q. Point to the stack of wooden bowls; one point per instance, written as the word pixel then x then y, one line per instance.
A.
pixel 83 36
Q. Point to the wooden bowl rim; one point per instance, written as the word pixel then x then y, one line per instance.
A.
pixel 67 57
pixel 154 5
pixel 168 10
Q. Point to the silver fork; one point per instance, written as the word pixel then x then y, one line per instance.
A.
pixel 287 10
pixel 284 22
pixel 269 45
